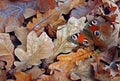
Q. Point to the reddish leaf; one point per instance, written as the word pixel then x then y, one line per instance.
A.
pixel 46 5
pixel 21 76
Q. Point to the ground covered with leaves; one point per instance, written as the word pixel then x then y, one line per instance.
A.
pixel 59 40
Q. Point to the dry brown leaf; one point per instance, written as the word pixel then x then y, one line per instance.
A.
pixel 29 12
pixel 6 49
pixel 114 68
pixel 21 76
pixel 36 72
pixel 3 75
pixel 51 31
pixel 21 34
pixel 45 5
pixel 82 10
pixel 57 76
pixel 64 32
pixel 11 14
pixel 34 21
pixel 117 78
pixel 100 73
pixel 69 60
pixel 53 15
pixel 37 48
pixel 82 70
pixel 99 70
pixel 60 70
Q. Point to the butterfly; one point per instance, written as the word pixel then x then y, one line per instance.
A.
pixel 100 32
pixel 82 38
pixel 95 34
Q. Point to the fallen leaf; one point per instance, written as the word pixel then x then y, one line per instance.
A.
pixel 114 68
pixel 82 70
pixel 36 72
pixel 63 33
pixel 37 48
pixel 117 78
pixel 12 14
pixel 110 55
pixel 57 76
pixel 45 5
pixel 21 76
pixel 3 76
pixel 70 59
pixel 99 70
pixel 6 49
pixel 82 10
pixel 29 12
pixel 100 73
pixel 52 16
pixel 65 64
pixel 21 33
pixel 51 31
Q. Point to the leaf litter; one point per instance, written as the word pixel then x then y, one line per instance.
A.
pixel 36 38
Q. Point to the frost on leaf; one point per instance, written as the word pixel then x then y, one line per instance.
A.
pixel 6 49
pixel 37 48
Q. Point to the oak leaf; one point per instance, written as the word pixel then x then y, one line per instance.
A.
pixel 117 78
pixel 65 64
pixel 37 48
pixel 36 72
pixel 3 75
pixel 11 14
pixel 52 16
pixel 29 12
pixel 21 76
pixel 21 33
pixel 82 70
pixel 69 60
pixel 45 5
pixel 6 49
pixel 62 43
pixel 99 71
pixel 82 10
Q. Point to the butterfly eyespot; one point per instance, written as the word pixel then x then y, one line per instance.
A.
pixel 74 37
pixel 97 33
pixel 85 42
pixel 94 22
